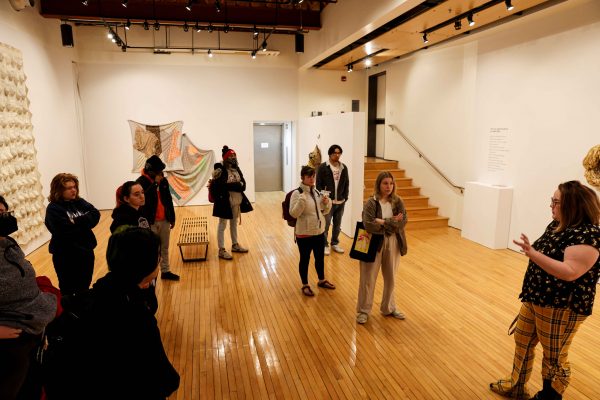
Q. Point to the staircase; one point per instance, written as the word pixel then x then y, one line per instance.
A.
pixel 420 214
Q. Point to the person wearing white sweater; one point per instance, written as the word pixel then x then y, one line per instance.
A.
pixel 308 206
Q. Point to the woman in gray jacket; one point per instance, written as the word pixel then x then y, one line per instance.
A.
pixel 383 214
pixel 308 206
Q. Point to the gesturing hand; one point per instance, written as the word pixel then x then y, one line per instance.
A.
pixel 525 245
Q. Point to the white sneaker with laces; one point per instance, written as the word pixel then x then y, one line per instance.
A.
pixel 337 248
pixel 327 250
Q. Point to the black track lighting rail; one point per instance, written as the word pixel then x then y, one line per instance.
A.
pixel 456 20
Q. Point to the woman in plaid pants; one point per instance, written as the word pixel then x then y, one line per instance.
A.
pixel 558 291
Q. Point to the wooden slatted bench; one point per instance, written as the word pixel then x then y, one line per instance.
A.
pixel 194 232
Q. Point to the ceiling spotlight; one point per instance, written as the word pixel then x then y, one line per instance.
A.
pixel 197 27
pixel 470 20
pixel 349 67
pixel 218 6
pixel 210 54
pixel 110 34
pixel 368 62
pixel 189 5
pixel 146 26
pixel 226 28
pixel 509 5
pixel 457 25
pixel 186 27
pixel 210 28
pixel 425 40
pixel 255 32
pixel 128 24
pixel 124 48
pixel 84 2
pixel 156 26
pixel 263 46
pixel 253 54
pixel 124 3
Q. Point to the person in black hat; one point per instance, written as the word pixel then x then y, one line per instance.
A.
pixel 158 209
pixel 228 185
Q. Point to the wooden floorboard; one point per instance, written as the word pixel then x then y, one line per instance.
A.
pixel 242 329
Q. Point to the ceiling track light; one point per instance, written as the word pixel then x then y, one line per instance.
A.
pixel 425 40
pixel 350 68
pixel 368 62
pixel 470 20
pixel 197 27
pixel 218 6
pixel 509 5
pixel 146 26
pixel 226 28
pixel 156 26
pixel 128 24
pixel 124 3
pixel 84 2
pixel 189 5
pixel 186 27
pixel 263 46
pixel 210 28
pixel 457 25
pixel 255 32
pixel 253 54
pixel 210 54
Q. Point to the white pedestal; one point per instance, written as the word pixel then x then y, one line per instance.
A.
pixel 486 214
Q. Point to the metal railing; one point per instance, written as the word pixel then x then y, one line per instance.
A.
pixel 421 155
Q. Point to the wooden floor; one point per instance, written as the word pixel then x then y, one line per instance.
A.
pixel 242 330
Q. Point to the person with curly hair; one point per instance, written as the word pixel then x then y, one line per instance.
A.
pixel 70 219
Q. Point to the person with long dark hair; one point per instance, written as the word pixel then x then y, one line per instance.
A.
pixel 130 199
pixel 558 291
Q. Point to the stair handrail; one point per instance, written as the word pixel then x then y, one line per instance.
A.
pixel 421 155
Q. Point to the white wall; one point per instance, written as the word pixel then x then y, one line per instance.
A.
pixel 217 105
pixel 538 76
pixel 346 130
pixel 48 68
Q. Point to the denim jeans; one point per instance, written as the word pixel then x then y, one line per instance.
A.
pixel 336 213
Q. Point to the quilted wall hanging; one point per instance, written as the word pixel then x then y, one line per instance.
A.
pixel 19 176
pixel 188 168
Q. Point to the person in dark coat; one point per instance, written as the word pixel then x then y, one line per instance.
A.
pixel 70 219
pixel 158 209
pixel 117 352
pixel 227 187
pixel 130 200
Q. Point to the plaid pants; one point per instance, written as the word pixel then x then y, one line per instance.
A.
pixel 554 328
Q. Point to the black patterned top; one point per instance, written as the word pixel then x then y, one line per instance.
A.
pixel 543 289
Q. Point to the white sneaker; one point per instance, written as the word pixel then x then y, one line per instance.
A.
pixel 327 250
pixel 337 248
pixel 361 318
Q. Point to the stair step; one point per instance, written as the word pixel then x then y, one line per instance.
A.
pixel 370 182
pixel 381 165
pixel 372 174
pixel 401 191
pixel 418 212
pixel 416 201
pixel 426 222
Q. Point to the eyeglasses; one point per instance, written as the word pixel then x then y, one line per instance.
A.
pixel 554 202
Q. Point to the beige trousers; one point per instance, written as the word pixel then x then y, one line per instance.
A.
pixel 387 258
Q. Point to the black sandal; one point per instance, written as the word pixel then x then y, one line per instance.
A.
pixel 326 285
pixel 307 291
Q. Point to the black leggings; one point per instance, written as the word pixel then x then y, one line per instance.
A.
pixel 316 244
pixel 15 360
pixel 74 269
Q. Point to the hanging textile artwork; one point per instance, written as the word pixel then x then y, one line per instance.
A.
pixel 187 167
pixel 19 177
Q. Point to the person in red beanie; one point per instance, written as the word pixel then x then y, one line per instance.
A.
pixel 228 186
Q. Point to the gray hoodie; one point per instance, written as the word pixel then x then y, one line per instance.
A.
pixel 22 305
